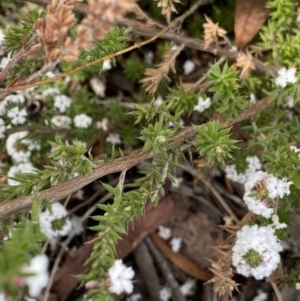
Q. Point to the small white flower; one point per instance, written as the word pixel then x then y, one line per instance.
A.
pixel 254 163
pixel 260 242
pixel 148 56
pixel 297 286
pixel 187 289
pixel 286 76
pixel 82 121
pixel 188 67
pixel 276 224
pixel 16 115
pixel 262 296
pixel 176 244
pixel 2 297
pixel 181 123
pixel 102 125
pixel 62 102
pixel 106 65
pixel 134 297
pixel 61 121
pixel 98 86
pixel 2 128
pixel 290 102
pixel 75 221
pixel 15 98
pixel 256 195
pixel 5 61
pixel 232 174
pixel 51 92
pixel 277 187
pixel 258 206
pixel 252 98
pixel 2 37
pixel 164 232
pixel 202 104
pixel 253 166
pixel 26 167
pixel 120 278
pixel 38 267
pixel 55 224
pixel 165 293
pixel 228 220
pixel 17 146
pixel 113 139
pixel 258 179
pixel 177 182
pixel 50 74
pixel 158 101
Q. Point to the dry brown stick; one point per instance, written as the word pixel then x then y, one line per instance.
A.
pixel 165 269
pixel 146 266
pixel 62 190
pixel 11 64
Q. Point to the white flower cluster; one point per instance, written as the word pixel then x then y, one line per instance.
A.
pixel 256 251
pixel 61 121
pixel 165 233
pixel 38 268
pixel 82 121
pixel 17 114
pixel 113 138
pixel 20 148
pixel 35 277
pixel 120 277
pixel 203 104
pixel 253 165
pixel 62 102
pixel 56 223
pixel 286 76
pixel 260 187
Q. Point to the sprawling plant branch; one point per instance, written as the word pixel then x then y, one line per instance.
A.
pixel 146 31
pixel 187 135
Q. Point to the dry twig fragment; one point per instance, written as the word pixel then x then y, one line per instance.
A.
pixel 245 61
pixel 154 76
pixel 211 32
pixel 222 279
pixel 167 7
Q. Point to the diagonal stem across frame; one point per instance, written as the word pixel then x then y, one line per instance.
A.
pixel 62 190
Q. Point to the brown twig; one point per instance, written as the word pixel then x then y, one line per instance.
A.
pixel 147 270
pixel 62 190
pixel 12 63
pixel 165 269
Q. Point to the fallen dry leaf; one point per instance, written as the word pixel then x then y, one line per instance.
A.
pixel 184 263
pixel 249 16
